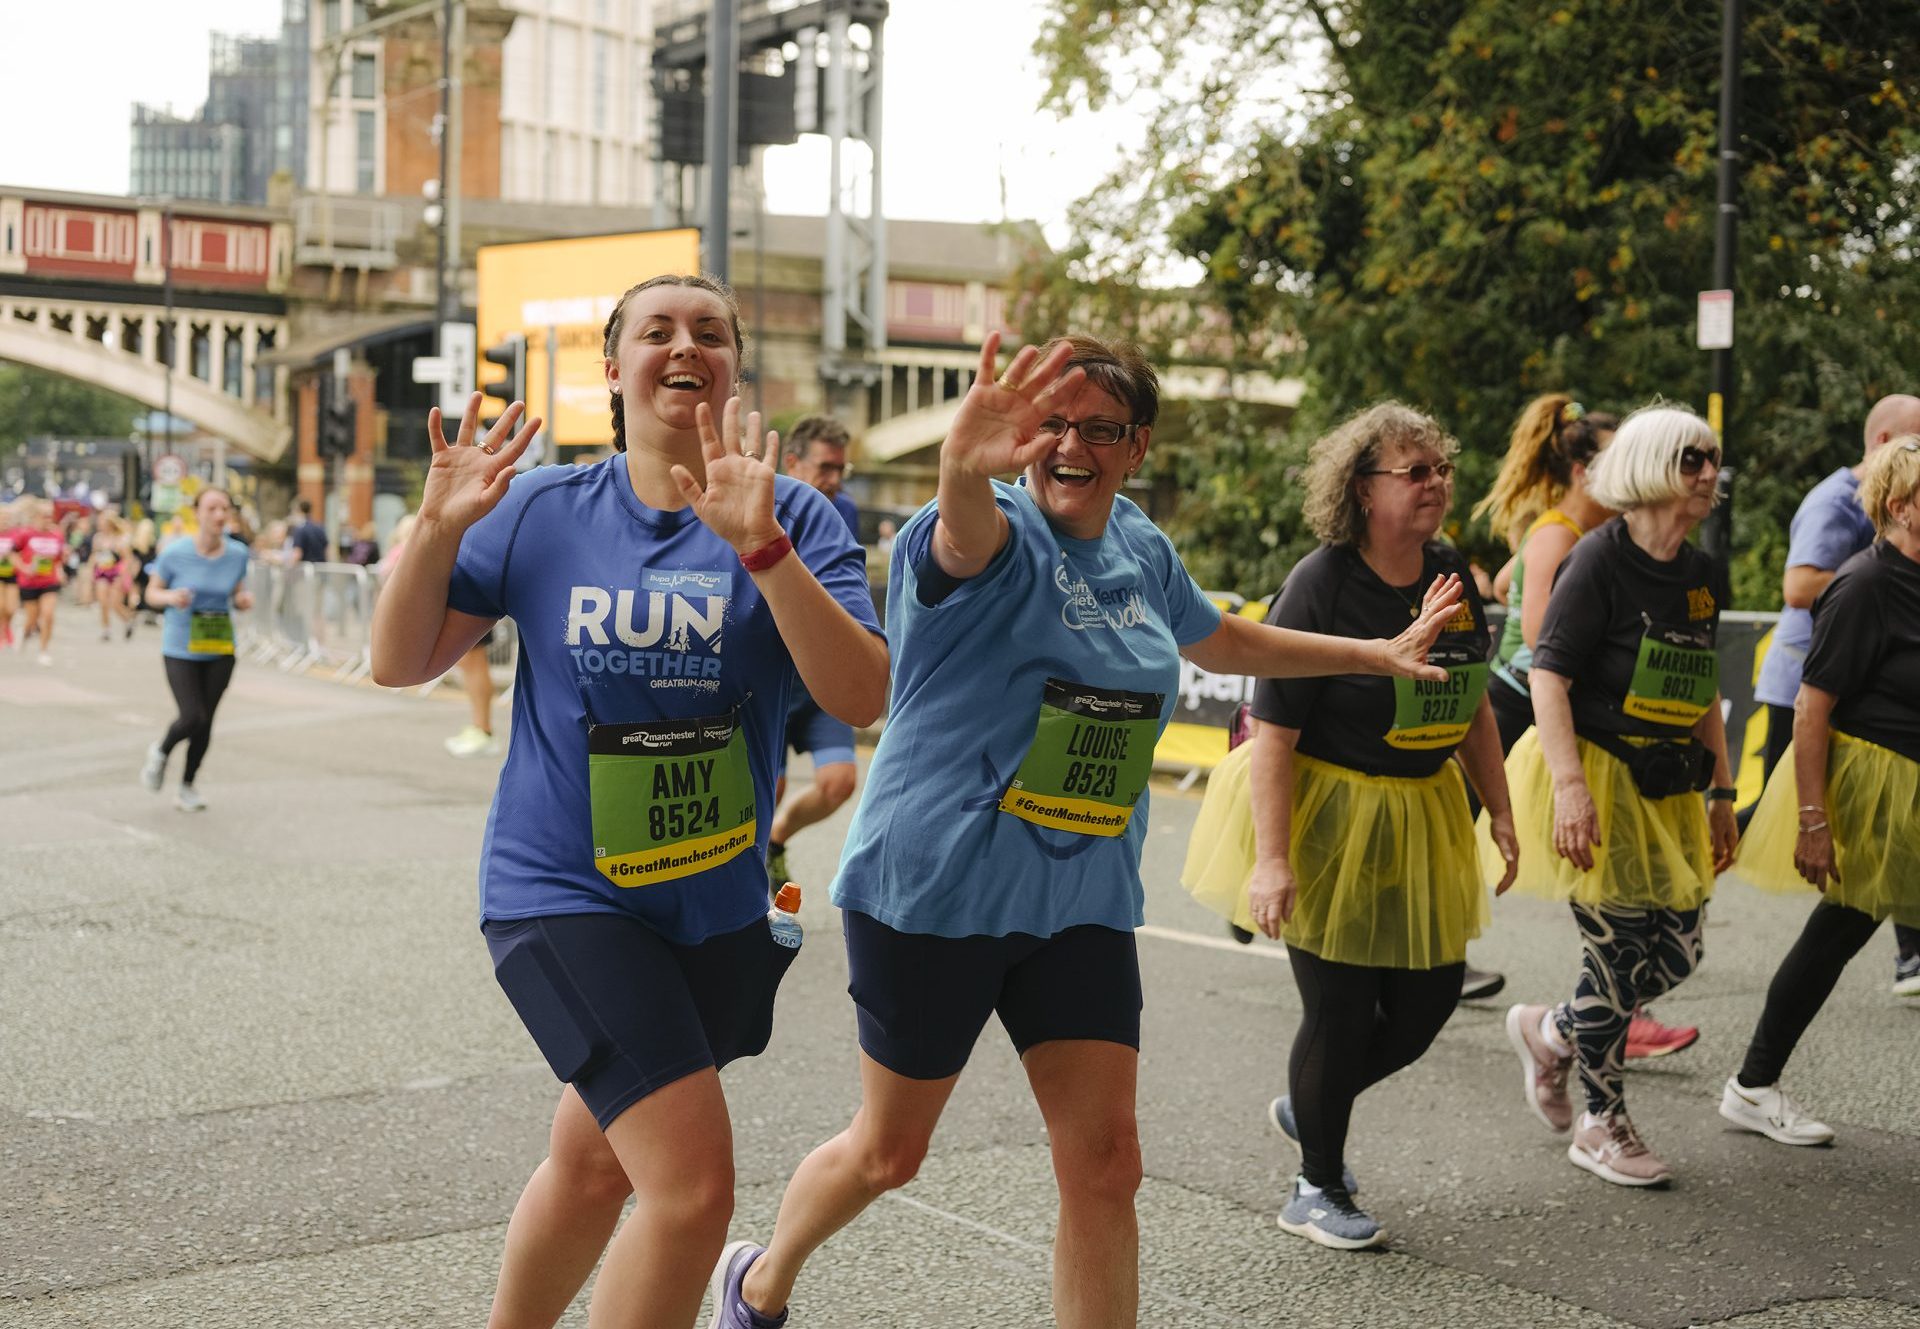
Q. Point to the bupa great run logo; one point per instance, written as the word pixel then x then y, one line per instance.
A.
pixel 668 630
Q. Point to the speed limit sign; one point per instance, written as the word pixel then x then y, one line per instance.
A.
pixel 168 469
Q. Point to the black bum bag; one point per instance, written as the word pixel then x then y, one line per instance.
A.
pixel 1661 769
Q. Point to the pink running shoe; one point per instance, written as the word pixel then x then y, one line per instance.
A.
pixel 1612 1149
pixel 1647 1037
pixel 1545 1069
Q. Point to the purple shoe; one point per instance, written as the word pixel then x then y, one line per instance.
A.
pixel 730 1310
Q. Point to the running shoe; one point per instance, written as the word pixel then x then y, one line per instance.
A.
pixel 155 770
pixel 1906 976
pixel 1479 984
pixel 1611 1149
pixel 189 800
pixel 1647 1037
pixel 1240 934
pixel 1330 1218
pixel 45 659
pixel 1545 1083
pixel 473 741
pixel 1771 1113
pixel 730 1310
pixel 777 868
pixel 1280 1117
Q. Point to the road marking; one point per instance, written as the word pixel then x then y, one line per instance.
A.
pixel 1270 951
pixel 1046 1253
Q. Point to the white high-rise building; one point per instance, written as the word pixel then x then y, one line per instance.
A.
pixel 576 108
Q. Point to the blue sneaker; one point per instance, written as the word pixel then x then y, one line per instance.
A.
pixel 730 1311
pixel 1280 1117
pixel 1330 1218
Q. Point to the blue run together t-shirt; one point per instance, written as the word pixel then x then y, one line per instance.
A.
pixel 629 613
pixel 929 850
pixel 212 581
pixel 1828 528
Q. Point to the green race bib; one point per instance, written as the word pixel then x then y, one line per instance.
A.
pixel 670 797
pixel 1675 676
pixel 1091 755
pixel 1437 715
pixel 211 632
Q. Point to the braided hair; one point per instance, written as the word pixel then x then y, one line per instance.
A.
pixel 616 321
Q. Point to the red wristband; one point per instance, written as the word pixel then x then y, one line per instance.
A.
pixel 767 555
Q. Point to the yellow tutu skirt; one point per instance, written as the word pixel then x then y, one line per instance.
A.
pixel 1653 853
pixel 1386 868
pixel 1873 806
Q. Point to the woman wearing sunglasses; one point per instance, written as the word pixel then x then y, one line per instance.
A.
pixel 1341 825
pixel 1627 734
pixel 994 864
pixel 1847 821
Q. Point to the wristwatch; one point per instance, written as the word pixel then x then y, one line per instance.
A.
pixel 1722 794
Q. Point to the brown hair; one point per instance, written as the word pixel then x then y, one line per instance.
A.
pixel 1332 507
pixel 816 429
pixel 1554 434
pixel 616 322
pixel 217 489
pixel 1117 369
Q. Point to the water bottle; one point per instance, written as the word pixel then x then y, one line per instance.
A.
pixel 783 919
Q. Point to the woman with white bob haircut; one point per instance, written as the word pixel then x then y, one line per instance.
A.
pixel 1627 734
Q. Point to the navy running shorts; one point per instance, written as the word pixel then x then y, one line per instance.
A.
pixel 618 1011
pixel 812 730
pixel 922 1000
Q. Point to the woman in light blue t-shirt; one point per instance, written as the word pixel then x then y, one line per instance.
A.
pixel 994 866
pixel 199 582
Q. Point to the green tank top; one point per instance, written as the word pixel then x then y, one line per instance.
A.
pixel 1514 658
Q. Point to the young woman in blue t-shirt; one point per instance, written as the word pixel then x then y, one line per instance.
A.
pixel 665 599
pixel 994 865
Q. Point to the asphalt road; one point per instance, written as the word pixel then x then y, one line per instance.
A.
pixel 254 1071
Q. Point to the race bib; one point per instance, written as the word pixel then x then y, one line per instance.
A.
pixel 1675 676
pixel 670 797
pixel 1437 714
pixel 210 632
pixel 1091 754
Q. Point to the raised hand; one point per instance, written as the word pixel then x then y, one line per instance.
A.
pixel 996 430
pixel 1406 654
pixel 467 480
pixel 736 502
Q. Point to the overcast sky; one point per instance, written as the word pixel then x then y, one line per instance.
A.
pixel 75 69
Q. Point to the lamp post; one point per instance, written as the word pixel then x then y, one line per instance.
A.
pixel 1716 536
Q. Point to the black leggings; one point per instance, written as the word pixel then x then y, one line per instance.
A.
pixel 1359 1025
pixel 1833 935
pixel 197 685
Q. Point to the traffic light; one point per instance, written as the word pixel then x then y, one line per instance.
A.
pixel 510 353
pixel 337 419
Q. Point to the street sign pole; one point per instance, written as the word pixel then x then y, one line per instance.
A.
pixel 1716 537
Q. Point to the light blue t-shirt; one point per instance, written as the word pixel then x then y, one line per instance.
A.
pixel 212 581
pixel 628 613
pixel 929 850
pixel 1828 528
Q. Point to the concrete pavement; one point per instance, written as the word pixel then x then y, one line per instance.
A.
pixel 254 1070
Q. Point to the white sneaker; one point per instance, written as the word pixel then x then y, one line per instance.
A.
pixel 1771 1113
pixel 155 770
pixel 189 800
pixel 45 659
pixel 473 741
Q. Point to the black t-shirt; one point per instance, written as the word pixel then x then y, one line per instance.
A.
pixel 1866 648
pixel 1635 635
pixel 1381 726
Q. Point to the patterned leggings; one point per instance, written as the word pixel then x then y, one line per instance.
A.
pixel 1628 957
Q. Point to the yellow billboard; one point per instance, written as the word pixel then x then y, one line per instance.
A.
pixel 568 287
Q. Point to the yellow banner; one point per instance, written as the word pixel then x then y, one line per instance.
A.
pixel 650 867
pixel 1082 816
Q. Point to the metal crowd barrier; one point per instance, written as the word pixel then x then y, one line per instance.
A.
pixel 309 616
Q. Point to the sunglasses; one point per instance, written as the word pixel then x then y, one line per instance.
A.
pixel 1694 460
pixel 1418 473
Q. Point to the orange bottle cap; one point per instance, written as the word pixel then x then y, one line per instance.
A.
pixel 787 899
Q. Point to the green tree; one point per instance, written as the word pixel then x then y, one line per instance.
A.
pixel 35 403
pixel 1464 203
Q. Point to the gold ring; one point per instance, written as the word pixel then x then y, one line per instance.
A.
pixel 1004 382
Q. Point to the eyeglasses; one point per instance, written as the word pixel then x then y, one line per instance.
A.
pixel 1096 432
pixel 839 468
pixel 1420 472
pixel 1694 460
